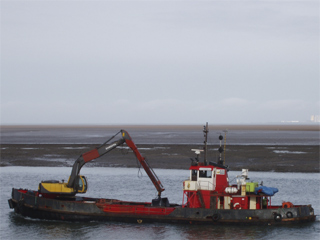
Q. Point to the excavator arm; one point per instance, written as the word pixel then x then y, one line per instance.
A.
pixel 91 155
pixel 78 184
pixel 153 177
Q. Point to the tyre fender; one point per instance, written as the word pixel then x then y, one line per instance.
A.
pixel 216 217
pixel 289 215
pixel 277 217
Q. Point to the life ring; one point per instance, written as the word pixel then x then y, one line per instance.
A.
pixel 289 215
pixel 216 217
pixel 277 217
pixel 287 205
pixel 237 206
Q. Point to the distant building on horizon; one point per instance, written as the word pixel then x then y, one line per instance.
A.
pixel 315 118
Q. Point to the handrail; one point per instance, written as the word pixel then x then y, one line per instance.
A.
pixel 208 183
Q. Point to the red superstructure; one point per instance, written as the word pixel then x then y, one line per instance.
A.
pixel 208 186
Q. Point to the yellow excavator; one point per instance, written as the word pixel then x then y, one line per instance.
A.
pixel 78 183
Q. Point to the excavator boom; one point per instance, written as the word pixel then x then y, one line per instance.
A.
pixel 78 183
pixel 153 177
pixel 91 155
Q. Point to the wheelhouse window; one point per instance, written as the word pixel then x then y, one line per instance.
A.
pixel 194 175
pixel 205 173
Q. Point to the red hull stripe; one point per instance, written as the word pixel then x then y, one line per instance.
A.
pixel 140 210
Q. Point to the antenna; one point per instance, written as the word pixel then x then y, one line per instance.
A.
pixel 197 151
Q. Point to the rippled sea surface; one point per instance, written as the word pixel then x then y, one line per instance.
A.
pixel 133 185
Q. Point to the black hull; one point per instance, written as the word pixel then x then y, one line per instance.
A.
pixel 89 209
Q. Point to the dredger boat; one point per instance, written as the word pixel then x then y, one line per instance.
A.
pixel 208 197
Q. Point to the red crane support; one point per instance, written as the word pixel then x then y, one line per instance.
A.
pixel 153 177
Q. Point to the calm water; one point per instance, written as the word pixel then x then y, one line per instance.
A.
pixel 128 184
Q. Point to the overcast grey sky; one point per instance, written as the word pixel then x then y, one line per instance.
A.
pixel 159 62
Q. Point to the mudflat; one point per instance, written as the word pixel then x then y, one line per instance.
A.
pixel 278 158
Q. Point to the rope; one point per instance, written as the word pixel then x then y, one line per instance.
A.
pixel 232 179
pixel 139 168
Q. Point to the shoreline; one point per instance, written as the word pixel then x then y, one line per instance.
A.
pixel 196 127
pixel 267 158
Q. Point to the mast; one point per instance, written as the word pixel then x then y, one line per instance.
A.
pixel 205 148
pixel 225 144
pixel 220 149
